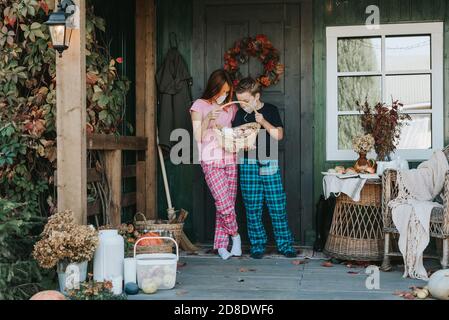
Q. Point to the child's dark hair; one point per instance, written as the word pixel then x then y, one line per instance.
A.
pixel 216 81
pixel 248 85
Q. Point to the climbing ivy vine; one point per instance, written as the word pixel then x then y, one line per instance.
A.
pixel 28 109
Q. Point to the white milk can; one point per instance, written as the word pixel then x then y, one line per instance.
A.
pixel 109 256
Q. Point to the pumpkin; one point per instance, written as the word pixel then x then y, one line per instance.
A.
pixel 438 285
pixel 150 242
pixel 48 295
pixel 168 280
pixel 370 170
pixel 340 169
pixel 131 288
pixel 149 286
pixel 351 171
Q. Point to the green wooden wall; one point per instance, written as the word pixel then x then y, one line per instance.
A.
pixel 352 12
pixel 175 16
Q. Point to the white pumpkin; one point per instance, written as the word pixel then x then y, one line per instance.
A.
pixel 439 285
pixel 149 286
pixel 168 281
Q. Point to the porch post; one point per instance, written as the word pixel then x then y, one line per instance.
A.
pixel 71 123
pixel 146 106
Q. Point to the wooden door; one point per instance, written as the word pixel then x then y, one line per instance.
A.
pixel 222 25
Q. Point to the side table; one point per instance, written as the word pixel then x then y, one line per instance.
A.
pixel 357 227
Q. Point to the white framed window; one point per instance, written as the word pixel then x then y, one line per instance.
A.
pixel 394 62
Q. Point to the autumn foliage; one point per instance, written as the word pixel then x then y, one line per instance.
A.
pixel 384 123
pixel 28 99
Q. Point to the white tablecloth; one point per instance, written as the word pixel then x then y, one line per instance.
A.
pixel 349 186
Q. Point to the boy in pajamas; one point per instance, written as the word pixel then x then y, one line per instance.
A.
pixel 260 177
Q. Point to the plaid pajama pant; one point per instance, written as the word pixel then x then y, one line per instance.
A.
pixel 221 179
pixel 259 181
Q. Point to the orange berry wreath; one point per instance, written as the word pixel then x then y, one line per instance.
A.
pixel 258 47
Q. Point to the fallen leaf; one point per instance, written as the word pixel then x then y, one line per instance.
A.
pixel 409 296
pixel 181 292
pixel 405 294
pixel 327 264
pixel 299 262
pixel 246 270
pixel 182 264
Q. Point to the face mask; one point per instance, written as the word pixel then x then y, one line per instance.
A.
pixel 221 98
pixel 252 105
pixel 247 109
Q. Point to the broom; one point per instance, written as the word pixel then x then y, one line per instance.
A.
pixel 184 242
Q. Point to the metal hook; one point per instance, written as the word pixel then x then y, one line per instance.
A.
pixel 173 37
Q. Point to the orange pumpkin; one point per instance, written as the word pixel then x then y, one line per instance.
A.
pixel 150 242
pixel 48 295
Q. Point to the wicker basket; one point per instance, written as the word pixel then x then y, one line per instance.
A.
pixel 144 225
pixel 240 138
pixel 357 227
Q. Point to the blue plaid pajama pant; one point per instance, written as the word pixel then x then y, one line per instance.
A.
pixel 261 181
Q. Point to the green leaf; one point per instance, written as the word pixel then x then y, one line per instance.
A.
pixel 103 115
pixel 103 101
pixel 38 33
pixel 35 25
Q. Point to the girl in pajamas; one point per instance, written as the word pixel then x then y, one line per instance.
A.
pixel 219 166
pixel 260 177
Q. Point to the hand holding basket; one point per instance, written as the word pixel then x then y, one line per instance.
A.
pixel 235 139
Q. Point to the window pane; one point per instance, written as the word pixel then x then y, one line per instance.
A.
pixel 348 128
pixel 414 91
pixel 407 53
pixel 359 54
pixel 352 89
pixel 418 133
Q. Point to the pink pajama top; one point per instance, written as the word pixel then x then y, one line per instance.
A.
pixel 209 149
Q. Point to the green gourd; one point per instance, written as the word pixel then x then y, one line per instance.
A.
pixel 131 288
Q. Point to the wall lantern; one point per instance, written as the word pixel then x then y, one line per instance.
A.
pixel 60 29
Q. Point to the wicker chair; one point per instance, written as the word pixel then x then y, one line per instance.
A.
pixel 439 221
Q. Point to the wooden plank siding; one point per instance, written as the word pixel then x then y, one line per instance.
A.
pixel 352 12
pixel 177 16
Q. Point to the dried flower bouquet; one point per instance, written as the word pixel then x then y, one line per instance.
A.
pixel 63 240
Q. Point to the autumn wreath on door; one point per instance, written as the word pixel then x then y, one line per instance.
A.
pixel 257 47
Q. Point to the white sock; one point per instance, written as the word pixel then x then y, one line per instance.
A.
pixel 224 254
pixel 236 246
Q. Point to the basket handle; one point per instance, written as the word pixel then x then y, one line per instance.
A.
pixel 165 238
pixel 239 102
pixel 141 215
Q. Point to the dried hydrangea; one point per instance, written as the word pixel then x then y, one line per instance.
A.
pixel 65 240
pixel 363 144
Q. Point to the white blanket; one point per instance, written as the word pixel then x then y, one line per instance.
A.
pixel 349 186
pixel 412 209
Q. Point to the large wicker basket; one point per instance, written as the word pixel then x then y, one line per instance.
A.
pixel 144 225
pixel 238 138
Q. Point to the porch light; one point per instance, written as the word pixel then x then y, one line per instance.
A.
pixel 57 23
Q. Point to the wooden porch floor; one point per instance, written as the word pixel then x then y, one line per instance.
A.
pixel 207 277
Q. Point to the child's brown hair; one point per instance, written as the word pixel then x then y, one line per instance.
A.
pixel 248 85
